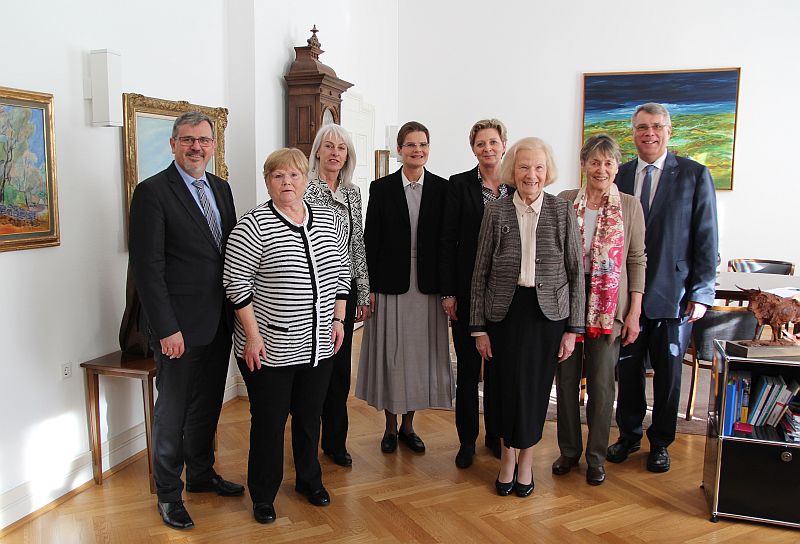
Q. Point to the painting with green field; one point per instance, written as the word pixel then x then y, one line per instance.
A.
pixel 702 105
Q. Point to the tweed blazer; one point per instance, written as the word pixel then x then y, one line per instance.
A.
pixel 631 276
pixel 559 264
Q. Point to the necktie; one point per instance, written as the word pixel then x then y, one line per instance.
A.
pixel 645 197
pixel 208 212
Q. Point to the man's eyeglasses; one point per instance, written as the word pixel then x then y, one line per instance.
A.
pixel 416 146
pixel 644 128
pixel 188 141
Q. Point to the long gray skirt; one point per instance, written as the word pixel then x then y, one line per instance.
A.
pixel 405 356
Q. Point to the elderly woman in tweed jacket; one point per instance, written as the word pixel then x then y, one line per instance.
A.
pixel 527 302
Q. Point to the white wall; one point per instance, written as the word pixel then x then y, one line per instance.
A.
pixel 65 303
pixel 523 63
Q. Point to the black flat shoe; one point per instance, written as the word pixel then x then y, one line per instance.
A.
pixel 341 459
pixel 218 485
pixel 264 512
pixel 464 456
pixel 619 450
pixel 504 489
pixel 658 459
pixel 595 475
pixel 564 464
pixel 413 441
pixel 174 515
pixel 523 490
pixel 389 442
pixel 317 497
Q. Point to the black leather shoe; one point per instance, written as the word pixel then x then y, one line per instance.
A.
pixel 658 459
pixel 264 512
pixel 175 515
pixel 564 464
pixel 389 442
pixel 317 497
pixel 218 485
pixel 595 475
pixel 464 456
pixel 523 490
pixel 619 450
pixel 494 445
pixel 504 489
pixel 341 459
pixel 413 441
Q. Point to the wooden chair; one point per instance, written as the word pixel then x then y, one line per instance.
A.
pixel 761 266
pixel 720 323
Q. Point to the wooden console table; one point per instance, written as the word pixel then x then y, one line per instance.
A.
pixel 123 366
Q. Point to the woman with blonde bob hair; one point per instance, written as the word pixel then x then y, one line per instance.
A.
pixel 287 273
pixel 527 302
pixel 331 163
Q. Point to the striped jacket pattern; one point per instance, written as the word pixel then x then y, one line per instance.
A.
pixel 293 276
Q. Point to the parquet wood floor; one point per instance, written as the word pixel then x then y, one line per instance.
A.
pixel 405 497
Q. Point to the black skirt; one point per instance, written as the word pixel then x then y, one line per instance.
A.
pixel 525 349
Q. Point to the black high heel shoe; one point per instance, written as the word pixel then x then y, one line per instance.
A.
pixel 524 490
pixel 504 489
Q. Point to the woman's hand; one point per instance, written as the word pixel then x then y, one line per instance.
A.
pixel 567 346
pixel 363 312
pixel 484 346
pixel 450 306
pixel 630 329
pixel 337 335
pixel 372 303
pixel 253 351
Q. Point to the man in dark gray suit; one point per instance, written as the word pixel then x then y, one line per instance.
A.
pixel 180 219
pixel 680 209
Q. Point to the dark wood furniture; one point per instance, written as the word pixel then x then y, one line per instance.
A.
pixel 123 366
pixel 755 479
pixel 314 95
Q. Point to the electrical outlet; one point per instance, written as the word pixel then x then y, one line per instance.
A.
pixel 66 370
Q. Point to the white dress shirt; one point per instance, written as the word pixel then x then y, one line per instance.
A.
pixel 528 218
pixel 656 175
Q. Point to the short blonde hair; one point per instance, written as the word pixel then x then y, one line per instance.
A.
pixel 286 157
pixel 483 124
pixel 530 144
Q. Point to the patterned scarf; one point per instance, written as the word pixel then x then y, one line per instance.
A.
pixel 605 257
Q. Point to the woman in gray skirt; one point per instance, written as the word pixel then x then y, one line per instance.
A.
pixel 405 360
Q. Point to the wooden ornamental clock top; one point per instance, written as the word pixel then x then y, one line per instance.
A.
pixel 315 94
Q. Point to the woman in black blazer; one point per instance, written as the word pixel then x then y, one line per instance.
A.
pixel 405 360
pixel 467 194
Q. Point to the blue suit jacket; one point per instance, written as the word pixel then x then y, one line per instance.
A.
pixel 680 237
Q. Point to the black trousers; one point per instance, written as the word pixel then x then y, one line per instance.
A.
pixel 467 378
pixel 190 391
pixel 274 394
pixel 334 410
pixel 665 340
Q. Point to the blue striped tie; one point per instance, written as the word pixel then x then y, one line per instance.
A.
pixel 648 180
pixel 208 212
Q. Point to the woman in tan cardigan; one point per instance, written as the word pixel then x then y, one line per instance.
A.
pixel 612 230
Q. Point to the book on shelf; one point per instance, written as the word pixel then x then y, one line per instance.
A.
pixel 762 388
pixel 730 408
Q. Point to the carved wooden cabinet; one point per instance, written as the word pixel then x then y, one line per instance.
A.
pixel 314 95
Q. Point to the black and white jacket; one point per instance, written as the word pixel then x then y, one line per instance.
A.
pixel 293 275
pixel 349 213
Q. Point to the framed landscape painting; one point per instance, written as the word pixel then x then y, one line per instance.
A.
pixel 702 106
pixel 28 198
pixel 146 131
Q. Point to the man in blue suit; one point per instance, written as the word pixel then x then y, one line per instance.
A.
pixel 680 210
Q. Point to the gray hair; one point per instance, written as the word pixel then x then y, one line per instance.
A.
pixel 603 144
pixel 653 108
pixel 192 118
pixel 530 144
pixel 346 174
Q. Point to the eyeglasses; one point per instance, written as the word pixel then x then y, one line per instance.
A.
pixel 416 146
pixel 188 141
pixel 644 128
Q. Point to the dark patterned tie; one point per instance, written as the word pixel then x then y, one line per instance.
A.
pixel 208 212
pixel 648 180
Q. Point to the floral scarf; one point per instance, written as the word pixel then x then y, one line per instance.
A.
pixel 605 257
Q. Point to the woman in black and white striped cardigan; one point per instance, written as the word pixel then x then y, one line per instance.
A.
pixel 287 272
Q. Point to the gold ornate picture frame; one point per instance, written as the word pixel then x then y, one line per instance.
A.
pixel 146 130
pixel 381 163
pixel 28 195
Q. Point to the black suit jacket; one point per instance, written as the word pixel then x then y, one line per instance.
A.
pixel 461 225
pixel 680 237
pixel 387 235
pixel 175 262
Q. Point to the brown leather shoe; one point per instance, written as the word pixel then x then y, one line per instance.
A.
pixel 564 464
pixel 595 475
